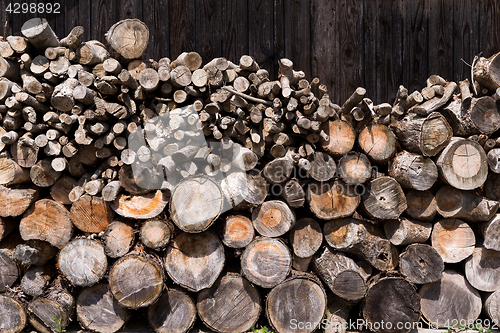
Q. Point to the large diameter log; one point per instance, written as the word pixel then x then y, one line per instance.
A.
pixel 404 231
pixel 463 164
pixel 143 206
pixel 9 272
pixel 384 199
pixel 97 310
pixel 421 205
pixel 423 135
pixel 331 200
pixel 244 191
pixel 12 315
pixel 286 314
pixel 136 280
pixel 266 262
pixel 341 274
pixel 421 264
pixel 306 237
pixel 482 269
pixel 91 214
pixel 196 203
pixel 14 202
pixel 358 237
pixel 340 137
pixel 485 115
pixel 492 307
pixel 118 239
pixel 453 239
pixel 173 312
pixel 394 302
pixel 273 218
pixel 413 171
pixel 128 38
pixel 486 70
pixel 39 34
pixel 378 142
pixel 449 299
pixel 232 304
pixel 491 232
pixel 466 205
pixel 48 221
pixel 12 173
pixel 238 231
pixel 194 261
pixel 83 262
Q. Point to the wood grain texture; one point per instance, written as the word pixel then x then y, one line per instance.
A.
pixel 260 18
pixel 174 312
pixel 12 315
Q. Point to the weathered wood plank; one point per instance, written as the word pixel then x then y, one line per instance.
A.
pixel 489 41
pixel 130 9
pixel 234 28
pixel 103 16
pixel 260 19
pixel 441 38
pixel 208 23
pixel 77 13
pixel 465 34
pixel 182 27
pixel 154 14
pixel 298 34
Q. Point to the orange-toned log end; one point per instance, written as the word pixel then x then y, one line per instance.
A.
pixel 91 214
pixel 48 221
pixel 238 231
pixel 378 142
pixel 140 206
pixel 14 202
pixel 331 200
pixel 341 137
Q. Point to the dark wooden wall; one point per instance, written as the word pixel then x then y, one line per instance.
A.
pixel 377 44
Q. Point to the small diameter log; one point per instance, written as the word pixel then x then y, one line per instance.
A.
pixel 14 202
pixel 449 299
pixel 482 269
pixel 393 301
pixel 156 233
pixel 294 194
pixel 273 218
pixel 12 173
pixel 331 200
pixel 180 76
pixel 413 171
pixel 358 237
pixel 485 115
pixel 341 274
pixel 353 100
pixel 34 252
pixel 453 239
pixel 9 272
pixel 35 280
pixel 286 319
pixel 266 262
pixel 491 233
pixel 466 205
pixel 384 199
pixel 24 151
pixel 404 231
pixel 97 310
pixel 144 206
pixel 128 38
pixel 354 168
pixel 92 53
pixel 39 34
pixel 232 304
pixel 421 205
pixel 196 203
pixel 485 72
pixel 118 239
pixel 421 264
pixel 83 262
pixel 306 237
pixel 149 79
pixel 194 261
pixel 48 221
pixel 340 135
pixel 435 103
pixel 12 315
pixel 173 312
pixel 378 142
pixel 136 280
pixel 61 189
pixel 91 214
pixel 463 164
pixel 238 231
pixel 62 97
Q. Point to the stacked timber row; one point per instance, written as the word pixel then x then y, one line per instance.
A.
pixel 212 194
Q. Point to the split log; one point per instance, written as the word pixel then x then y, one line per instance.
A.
pixel 39 34
pixel 413 171
pixel 341 274
pixel 485 72
pixel 140 206
pixel 48 221
pixel 12 173
pixel 453 239
pixel 232 304
pixel 9 272
pixel 238 231
pixel 194 261
pixel 331 200
pixel 35 280
pixel 34 252
pixel 97 310
pixel 354 168
pixel 196 203
pixel 340 137
pixel 394 302
pixel 156 233
pixel 421 264
pixel 266 262
pixel 83 262
pixel 273 218
pixel 466 205
pixel 118 239
pixel 405 231
pixel 482 269
pixel 292 317
pixel 91 214
pixel 128 38
pixel 294 194
pixel 61 189
pixel 358 237
pixel 12 315
pixel 421 205
pixel 278 170
pixel 323 167
pixel 173 312
pixel 449 299
pixel 306 237
pixel 136 280
pixel 378 142
pixel 463 164
pixel 14 202
pixel 384 199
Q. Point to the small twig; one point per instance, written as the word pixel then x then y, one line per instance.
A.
pixel 250 98
pixel 472 73
pixel 5 30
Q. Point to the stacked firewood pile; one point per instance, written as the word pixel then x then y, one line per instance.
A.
pixel 210 191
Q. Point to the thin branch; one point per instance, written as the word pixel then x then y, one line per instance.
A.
pixel 250 98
